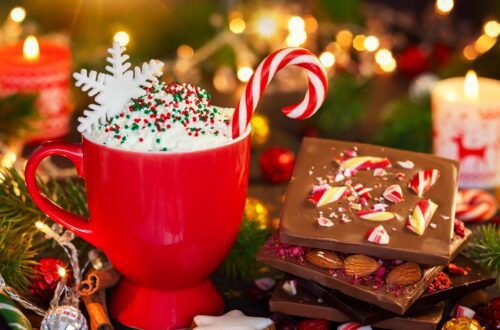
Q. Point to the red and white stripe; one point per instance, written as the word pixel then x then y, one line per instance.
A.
pixel 393 193
pixel 378 235
pixel 421 216
pixel 353 326
pixel 423 180
pixel 326 195
pixel 316 92
pixel 462 311
pixel 363 191
pixel 375 215
pixel 475 205
pixel 363 163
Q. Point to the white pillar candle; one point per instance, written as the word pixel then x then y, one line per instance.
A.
pixel 466 127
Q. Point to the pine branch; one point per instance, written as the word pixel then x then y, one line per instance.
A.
pixel 485 248
pixel 241 262
pixel 20 242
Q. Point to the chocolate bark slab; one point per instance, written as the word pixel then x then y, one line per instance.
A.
pixel 305 304
pixel 315 162
pixel 365 313
pixel 382 296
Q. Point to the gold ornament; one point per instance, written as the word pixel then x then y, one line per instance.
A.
pixel 462 323
pixel 260 130
pixel 256 211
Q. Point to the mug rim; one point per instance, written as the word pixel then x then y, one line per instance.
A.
pixel 244 135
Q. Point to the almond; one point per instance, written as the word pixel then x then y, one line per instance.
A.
pixel 360 265
pixel 324 259
pixel 404 274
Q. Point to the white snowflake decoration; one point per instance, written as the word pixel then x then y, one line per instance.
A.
pixel 114 90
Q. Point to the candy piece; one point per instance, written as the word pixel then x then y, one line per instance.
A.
pixel 373 215
pixel 353 326
pixel 393 193
pixel 459 228
pixel 475 205
pixel 325 222
pixel 260 79
pixel 421 216
pixel 456 270
pixel 265 283
pixel 322 195
pixel 423 181
pixel 408 164
pixel 400 176
pixel 290 287
pixel 363 163
pixel 234 319
pixel 379 172
pixel 462 311
pixel 377 235
pixel 362 191
pixel 350 153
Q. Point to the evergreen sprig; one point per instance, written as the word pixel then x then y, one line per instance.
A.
pixel 20 242
pixel 241 262
pixel 485 248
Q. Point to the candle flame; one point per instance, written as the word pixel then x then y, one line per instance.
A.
pixel 31 49
pixel 471 85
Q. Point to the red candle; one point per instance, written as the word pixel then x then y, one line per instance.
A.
pixel 44 69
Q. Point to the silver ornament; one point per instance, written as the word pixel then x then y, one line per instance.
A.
pixel 64 318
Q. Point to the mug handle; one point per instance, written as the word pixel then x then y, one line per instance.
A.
pixel 77 224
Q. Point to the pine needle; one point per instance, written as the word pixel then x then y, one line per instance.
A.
pixel 241 262
pixel 20 242
pixel 485 248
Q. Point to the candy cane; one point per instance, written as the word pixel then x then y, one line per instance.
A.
pixel 475 205
pixel 265 72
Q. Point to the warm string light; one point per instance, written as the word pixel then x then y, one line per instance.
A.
pixel 265 25
pixel 359 42
pixel 122 37
pixel 344 38
pixel 327 59
pixel 385 60
pixel 18 14
pixel 444 7
pixel 371 43
pixel 237 25
pixel 297 33
pixel 491 29
pixel 244 73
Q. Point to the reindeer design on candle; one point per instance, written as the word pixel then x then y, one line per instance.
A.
pixel 464 152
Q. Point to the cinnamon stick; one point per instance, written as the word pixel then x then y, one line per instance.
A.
pixel 97 280
pixel 98 312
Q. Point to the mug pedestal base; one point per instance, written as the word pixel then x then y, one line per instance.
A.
pixel 150 309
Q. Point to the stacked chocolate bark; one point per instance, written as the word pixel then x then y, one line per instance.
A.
pixel 364 232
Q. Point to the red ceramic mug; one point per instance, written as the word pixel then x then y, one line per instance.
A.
pixel 165 220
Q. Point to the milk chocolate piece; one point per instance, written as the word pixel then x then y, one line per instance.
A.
pixel 396 300
pixel 305 304
pixel 365 313
pixel 315 163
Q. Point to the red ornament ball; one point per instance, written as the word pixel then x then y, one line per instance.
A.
pixel 46 278
pixel 314 325
pixel 276 164
pixel 413 61
pixel 489 315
